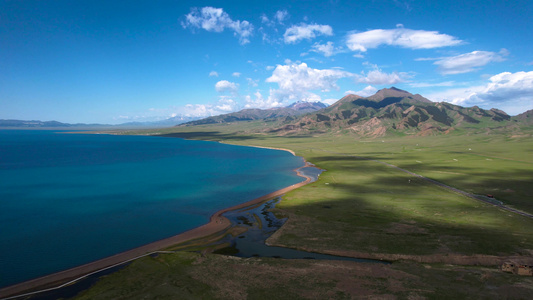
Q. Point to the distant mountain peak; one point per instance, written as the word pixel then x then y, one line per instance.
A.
pixel 389 92
pixel 397 89
pixel 394 92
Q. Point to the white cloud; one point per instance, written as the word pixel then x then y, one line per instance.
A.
pixel 272 26
pixel 236 74
pixel 294 77
pixel 468 62
pixel 402 37
pixel 224 105
pixel 199 110
pixel 260 102
pixel 213 74
pixel 429 84
pixel 367 91
pixel 510 92
pixel 305 31
pixel 216 20
pixel 296 81
pixel 252 82
pixel 326 49
pixel 279 17
pixel 330 101
pixel 376 76
pixel 226 86
pixel 264 19
pixel 427 58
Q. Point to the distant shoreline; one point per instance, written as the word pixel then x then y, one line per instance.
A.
pixel 217 223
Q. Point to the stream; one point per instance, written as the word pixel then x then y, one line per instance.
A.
pixel 261 223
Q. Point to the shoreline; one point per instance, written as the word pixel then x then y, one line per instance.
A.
pixel 217 223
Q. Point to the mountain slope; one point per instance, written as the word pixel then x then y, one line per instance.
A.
pixel 525 117
pixel 287 113
pixel 394 111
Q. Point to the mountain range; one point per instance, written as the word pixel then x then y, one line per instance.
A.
pixel 294 109
pixel 272 114
pixel 389 111
pixel 394 111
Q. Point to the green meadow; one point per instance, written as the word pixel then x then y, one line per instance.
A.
pixel 362 205
pixel 364 208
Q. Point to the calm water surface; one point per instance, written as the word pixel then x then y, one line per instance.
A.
pixel 68 199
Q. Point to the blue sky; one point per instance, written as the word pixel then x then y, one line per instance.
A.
pixel 121 61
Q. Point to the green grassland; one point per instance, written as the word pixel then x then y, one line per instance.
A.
pixel 193 276
pixel 361 207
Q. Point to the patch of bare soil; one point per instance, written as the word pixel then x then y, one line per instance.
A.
pixel 373 128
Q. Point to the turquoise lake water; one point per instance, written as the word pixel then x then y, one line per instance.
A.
pixel 69 199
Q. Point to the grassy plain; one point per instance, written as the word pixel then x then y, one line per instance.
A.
pixel 360 207
pixel 192 276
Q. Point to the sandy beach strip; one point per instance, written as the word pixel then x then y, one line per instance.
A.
pixel 217 223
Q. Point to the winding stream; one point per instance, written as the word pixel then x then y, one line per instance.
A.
pixel 261 223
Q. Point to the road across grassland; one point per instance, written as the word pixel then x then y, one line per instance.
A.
pixel 496 203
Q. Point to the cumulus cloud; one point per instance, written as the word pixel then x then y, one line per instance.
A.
pixel 258 101
pixel 377 76
pixel 226 86
pixel 510 92
pixel 367 91
pixel 296 33
pixel 216 20
pixel 236 74
pixel 296 81
pixel 213 74
pixel 468 62
pixel 401 37
pixel 224 105
pixel 295 78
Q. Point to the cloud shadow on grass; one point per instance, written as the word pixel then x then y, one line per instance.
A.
pixel 385 210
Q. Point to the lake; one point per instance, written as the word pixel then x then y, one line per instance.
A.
pixel 69 199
